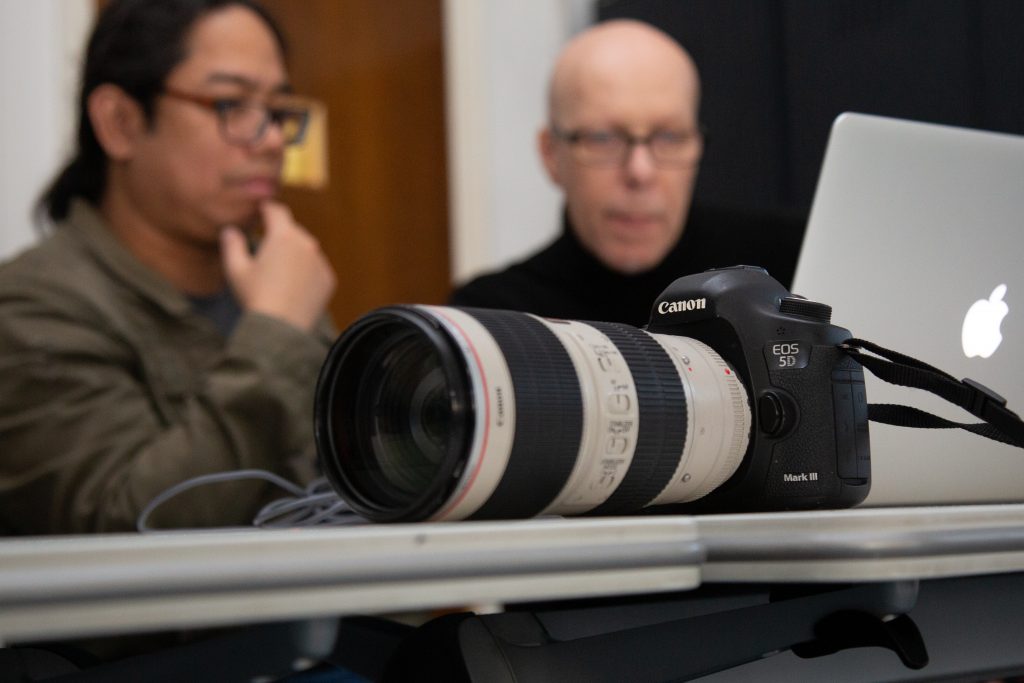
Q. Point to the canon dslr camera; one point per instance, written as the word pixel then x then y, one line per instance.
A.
pixel 736 397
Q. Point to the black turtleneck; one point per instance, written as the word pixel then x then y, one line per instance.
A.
pixel 564 280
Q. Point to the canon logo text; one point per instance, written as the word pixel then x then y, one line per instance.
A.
pixel 681 306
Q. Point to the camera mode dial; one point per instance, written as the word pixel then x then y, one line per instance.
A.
pixel 797 305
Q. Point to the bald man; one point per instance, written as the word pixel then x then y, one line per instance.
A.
pixel 624 143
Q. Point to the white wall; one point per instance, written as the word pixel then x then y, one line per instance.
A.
pixel 41 42
pixel 498 58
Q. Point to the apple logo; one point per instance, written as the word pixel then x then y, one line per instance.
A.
pixel 980 335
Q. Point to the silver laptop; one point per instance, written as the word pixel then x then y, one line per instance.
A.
pixel 916 239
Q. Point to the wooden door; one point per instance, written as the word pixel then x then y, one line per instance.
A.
pixel 383 218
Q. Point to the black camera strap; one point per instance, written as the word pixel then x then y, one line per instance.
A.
pixel 1001 423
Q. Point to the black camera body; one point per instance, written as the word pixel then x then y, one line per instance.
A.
pixel 809 445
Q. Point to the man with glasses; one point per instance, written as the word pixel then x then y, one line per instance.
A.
pixel 173 323
pixel 624 143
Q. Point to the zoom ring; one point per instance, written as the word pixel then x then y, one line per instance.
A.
pixel 548 414
pixel 662 424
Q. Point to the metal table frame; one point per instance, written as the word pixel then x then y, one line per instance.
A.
pixel 64 587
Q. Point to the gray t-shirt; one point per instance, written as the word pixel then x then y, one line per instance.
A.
pixel 221 309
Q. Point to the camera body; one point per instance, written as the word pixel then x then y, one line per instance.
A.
pixel 808 446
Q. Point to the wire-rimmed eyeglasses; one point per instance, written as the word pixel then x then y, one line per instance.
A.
pixel 613 146
pixel 245 121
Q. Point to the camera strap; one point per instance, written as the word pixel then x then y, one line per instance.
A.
pixel 1000 423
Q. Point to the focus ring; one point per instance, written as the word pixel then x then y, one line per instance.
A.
pixel 548 415
pixel 662 425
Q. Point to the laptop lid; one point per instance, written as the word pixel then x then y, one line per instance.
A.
pixel 916 239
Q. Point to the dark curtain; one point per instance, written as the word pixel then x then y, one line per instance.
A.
pixel 777 72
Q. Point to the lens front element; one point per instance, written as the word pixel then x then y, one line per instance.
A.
pixel 392 414
pixel 405 392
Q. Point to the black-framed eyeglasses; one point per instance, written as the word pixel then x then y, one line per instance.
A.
pixel 244 121
pixel 612 147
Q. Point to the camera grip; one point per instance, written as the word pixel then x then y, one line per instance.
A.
pixel 804 471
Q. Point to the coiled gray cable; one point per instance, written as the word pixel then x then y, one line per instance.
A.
pixel 315 505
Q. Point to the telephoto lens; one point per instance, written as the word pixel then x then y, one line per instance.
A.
pixel 439 413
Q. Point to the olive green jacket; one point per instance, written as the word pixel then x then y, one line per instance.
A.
pixel 112 389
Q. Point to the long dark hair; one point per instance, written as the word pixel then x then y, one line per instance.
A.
pixel 134 45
